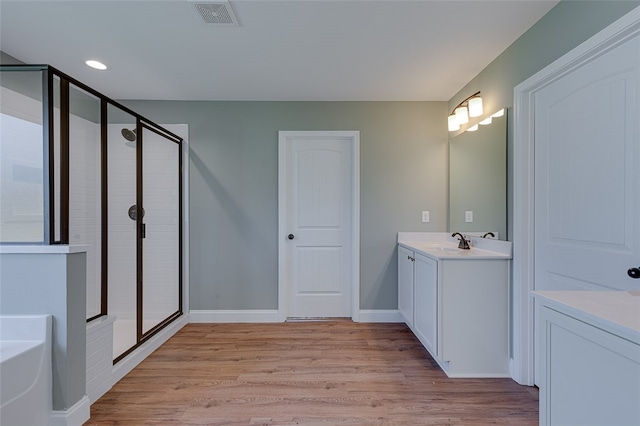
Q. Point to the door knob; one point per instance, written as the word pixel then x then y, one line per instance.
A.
pixel 634 273
pixel 290 236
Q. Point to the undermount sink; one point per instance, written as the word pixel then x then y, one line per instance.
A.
pixel 445 249
pixel 438 247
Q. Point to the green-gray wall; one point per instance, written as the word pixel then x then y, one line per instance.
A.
pixel 234 189
pixel 403 167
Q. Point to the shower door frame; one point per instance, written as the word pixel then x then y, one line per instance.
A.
pixel 51 220
pixel 142 336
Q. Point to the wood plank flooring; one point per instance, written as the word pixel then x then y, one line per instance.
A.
pixel 305 373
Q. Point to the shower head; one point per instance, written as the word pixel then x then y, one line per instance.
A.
pixel 129 135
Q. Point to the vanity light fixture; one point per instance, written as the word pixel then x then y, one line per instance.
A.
pixel 472 128
pixel 470 107
pixel 498 113
pixel 486 121
pixel 96 64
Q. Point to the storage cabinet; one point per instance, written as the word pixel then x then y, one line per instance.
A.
pixel 590 370
pixel 458 309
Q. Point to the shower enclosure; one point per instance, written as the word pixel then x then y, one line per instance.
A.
pixel 78 168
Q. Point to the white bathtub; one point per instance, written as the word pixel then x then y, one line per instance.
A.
pixel 25 370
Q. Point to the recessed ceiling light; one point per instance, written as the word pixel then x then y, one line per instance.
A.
pixel 96 64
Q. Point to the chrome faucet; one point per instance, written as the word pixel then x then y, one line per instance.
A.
pixel 464 243
pixel 489 233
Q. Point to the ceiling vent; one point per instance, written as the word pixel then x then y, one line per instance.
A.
pixel 216 13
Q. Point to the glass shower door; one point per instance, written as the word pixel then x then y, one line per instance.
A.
pixel 161 268
pixel 121 236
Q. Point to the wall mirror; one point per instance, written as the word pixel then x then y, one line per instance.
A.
pixel 478 179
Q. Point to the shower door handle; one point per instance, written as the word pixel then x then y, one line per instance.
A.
pixel 143 230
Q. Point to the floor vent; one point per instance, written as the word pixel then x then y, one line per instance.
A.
pixel 218 13
pixel 318 319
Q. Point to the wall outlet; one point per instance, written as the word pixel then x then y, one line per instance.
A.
pixel 468 216
pixel 425 216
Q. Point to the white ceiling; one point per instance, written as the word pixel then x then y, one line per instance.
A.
pixel 282 50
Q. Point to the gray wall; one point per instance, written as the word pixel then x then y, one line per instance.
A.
pixel 234 189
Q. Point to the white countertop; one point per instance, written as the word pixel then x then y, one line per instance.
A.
pixel 42 249
pixel 440 245
pixel 615 311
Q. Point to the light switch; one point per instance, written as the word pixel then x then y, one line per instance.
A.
pixel 468 216
pixel 425 216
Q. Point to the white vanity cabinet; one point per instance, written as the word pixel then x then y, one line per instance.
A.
pixel 457 306
pixel 589 357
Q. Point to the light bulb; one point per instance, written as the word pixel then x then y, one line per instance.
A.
pixel 462 115
pixel 453 123
pixel 475 107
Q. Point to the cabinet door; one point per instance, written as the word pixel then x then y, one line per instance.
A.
pixel 426 302
pixel 405 284
pixel 588 376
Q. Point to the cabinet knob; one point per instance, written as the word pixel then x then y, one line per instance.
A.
pixel 634 273
pixel 290 236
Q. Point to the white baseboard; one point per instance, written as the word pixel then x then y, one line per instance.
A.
pixel 380 315
pixel 222 316
pixel 74 416
pixel 266 315
pixel 125 365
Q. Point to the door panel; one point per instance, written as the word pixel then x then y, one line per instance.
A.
pixel 405 284
pixel 426 301
pixel 161 191
pixel 587 177
pixel 318 186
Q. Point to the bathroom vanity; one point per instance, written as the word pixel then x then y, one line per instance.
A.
pixel 589 357
pixel 456 301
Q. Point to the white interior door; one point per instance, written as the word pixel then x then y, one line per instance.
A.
pixel 316 224
pixel 587 176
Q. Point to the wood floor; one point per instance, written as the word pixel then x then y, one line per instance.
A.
pixel 305 373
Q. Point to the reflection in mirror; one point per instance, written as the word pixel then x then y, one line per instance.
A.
pixel 478 179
